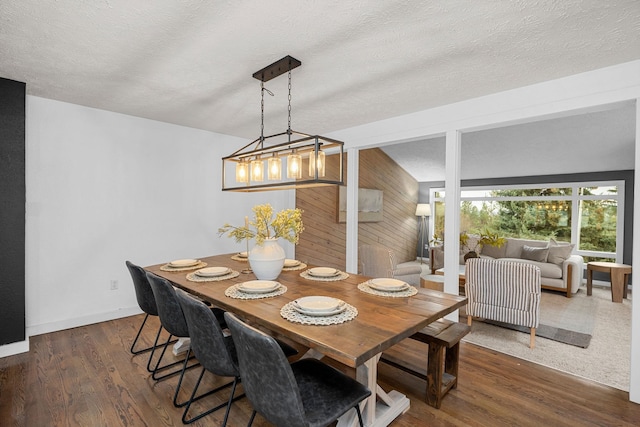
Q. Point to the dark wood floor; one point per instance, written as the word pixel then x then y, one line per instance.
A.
pixel 87 377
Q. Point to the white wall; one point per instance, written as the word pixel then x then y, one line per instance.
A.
pixel 585 92
pixel 103 188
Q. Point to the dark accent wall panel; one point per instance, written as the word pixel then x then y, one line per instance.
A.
pixel 12 211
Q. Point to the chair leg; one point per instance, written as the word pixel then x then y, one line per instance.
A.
pixel 184 369
pixel 532 340
pixel 231 399
pixel 153 347
pixel 134 352
pixel 359 415
pixel 253 415
pixel 158 368
pixel 469 319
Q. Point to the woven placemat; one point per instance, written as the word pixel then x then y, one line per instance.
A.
pixel 167 267
pixel 340 276
pixel 193 277
pixel 300 266
pixel 411 291
pixel 290 313
pixel 235 292
pixel 239 258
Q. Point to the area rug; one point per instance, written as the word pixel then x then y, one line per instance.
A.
pixel 550 332
pixel 606 360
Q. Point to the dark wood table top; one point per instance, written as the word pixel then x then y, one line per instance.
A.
pixel 381 321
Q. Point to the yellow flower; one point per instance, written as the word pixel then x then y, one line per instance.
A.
pixel 287 224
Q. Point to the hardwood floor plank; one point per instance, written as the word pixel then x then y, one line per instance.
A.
pixel 87 377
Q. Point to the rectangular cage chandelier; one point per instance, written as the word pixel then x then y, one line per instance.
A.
pixel 284 160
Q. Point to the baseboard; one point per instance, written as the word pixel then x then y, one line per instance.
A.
pixel 45 328
pixel 14 348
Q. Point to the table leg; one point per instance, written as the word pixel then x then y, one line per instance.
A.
pixel 589 281
pixel 617 279
pixel 626 286
pixel 375 414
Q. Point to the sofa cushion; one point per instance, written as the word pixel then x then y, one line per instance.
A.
pixel 547 269
pixel 495 251
pixel 559 252
pixel 534 254
pixel 514 246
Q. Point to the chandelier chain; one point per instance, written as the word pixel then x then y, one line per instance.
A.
pixel 289 108
pixel 261 113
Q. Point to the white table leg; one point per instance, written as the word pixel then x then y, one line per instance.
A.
pixel 375 413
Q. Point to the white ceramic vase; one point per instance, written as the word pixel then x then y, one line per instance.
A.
pixel 267 260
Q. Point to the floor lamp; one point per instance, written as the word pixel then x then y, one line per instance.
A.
pixel 423 210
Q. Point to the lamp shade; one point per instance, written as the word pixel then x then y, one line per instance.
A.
pixel 423 209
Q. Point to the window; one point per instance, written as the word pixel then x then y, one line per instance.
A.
pixel 541 212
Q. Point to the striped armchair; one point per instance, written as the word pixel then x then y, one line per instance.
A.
pixel 504 291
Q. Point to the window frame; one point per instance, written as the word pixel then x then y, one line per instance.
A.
pixel 575 199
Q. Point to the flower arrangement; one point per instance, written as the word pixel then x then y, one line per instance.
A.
pixel 286 224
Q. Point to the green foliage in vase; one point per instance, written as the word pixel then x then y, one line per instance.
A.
pixel 286 224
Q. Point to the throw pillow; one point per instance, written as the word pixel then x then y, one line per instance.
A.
pixel 534 254
pixel 559 252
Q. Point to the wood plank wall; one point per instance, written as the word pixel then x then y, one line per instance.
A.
pixel 323 241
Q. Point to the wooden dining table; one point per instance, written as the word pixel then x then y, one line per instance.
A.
pixel 380 323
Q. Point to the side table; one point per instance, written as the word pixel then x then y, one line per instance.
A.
pixel 619 274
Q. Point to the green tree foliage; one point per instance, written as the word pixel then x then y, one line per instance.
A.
pixel 541 219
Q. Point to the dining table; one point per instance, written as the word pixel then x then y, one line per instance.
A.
pixel 381 320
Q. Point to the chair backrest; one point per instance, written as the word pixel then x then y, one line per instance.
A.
pixel 506 291
pixel 144 294
pixel 376 261
pixel 169 309
pixel 215 352
pixel 267 378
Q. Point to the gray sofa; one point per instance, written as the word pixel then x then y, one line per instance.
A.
pixel 560 270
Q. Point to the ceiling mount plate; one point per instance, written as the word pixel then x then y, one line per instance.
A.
pixel 279 67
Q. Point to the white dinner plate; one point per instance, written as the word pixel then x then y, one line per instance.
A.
pixel 212 271
pixel 179 263
pixel 243 254
pixel 291 262
pixel 333 312
pixel 323 272
pixel 388 285
pixel 258 286
pixel 318 304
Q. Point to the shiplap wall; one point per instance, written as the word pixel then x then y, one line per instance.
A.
pixel 323 241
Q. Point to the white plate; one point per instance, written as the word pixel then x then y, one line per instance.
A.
pixel 212 271
pixel 388 285
pixel 323 272
pixel 318 304
pixel 291 262
pixel 258 286
pixel 243 254
pixel 179 263
pixel 333 312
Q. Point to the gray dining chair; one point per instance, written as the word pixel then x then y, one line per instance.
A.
pixel 304 393
pixel 215 352
pixel 147 303
pixel 173 320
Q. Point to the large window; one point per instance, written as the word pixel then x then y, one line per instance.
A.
pixel 589 215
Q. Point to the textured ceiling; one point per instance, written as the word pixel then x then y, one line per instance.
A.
pixel 190 62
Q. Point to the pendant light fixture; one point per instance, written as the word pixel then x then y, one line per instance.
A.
pixel 322 157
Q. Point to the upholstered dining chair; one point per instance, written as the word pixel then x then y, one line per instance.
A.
pixel 304 393
pixel 215 352
pixel 379 261
pixel 173 320
pixel 147 303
